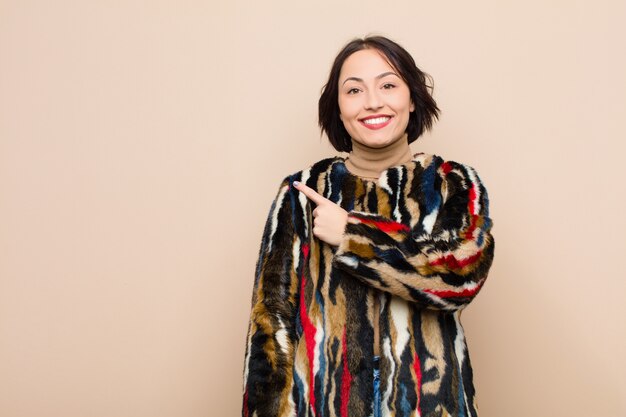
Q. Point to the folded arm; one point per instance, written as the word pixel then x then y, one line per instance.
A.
pixel 441 262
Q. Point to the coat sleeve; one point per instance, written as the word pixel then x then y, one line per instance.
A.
pixel 271 329
pixel 441 262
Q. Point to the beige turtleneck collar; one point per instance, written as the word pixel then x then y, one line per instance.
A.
pixel 367 162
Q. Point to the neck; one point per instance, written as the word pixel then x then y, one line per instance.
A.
pixel 367 162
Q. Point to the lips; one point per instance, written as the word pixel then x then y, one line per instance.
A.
pixel 376 121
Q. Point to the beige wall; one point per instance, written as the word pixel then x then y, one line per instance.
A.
pixel 141 144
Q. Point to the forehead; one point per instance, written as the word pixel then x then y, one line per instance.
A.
pixel 366 63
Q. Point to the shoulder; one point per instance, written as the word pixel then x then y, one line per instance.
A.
pixel 438 162
pixel 314 169
pixel 318 167
pixel 445 167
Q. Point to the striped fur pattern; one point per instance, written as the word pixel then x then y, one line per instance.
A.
pixel 422 243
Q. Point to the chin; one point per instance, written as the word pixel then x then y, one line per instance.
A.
pixel 376 142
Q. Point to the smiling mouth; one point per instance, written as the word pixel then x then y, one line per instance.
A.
pixel 376 122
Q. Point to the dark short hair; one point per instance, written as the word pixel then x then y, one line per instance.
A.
pixel 420 119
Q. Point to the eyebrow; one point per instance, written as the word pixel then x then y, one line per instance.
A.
pixel 384 74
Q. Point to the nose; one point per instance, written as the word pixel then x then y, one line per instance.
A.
pixel 373 100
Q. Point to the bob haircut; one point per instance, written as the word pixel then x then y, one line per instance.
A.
pixel 420 119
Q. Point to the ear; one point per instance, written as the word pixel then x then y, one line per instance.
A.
pixel 412 107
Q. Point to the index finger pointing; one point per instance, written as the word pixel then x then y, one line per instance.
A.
pixel 309 192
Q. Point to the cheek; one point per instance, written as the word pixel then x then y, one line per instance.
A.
pixel 402 102
pixel 347 108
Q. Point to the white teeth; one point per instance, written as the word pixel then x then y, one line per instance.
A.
pixel 376 121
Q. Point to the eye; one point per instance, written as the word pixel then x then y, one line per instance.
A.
pixel 388 86
pixel 350 91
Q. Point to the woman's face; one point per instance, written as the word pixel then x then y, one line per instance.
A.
pixel 374 101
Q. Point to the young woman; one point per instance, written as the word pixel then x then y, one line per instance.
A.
pixel 367 262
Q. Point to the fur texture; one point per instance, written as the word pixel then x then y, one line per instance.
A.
pixel 422 244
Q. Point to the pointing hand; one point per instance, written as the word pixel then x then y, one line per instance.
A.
pixel 329 219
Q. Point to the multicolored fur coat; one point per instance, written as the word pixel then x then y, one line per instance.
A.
pixel 422 244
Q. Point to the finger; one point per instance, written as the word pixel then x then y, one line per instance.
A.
pixel 310 193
